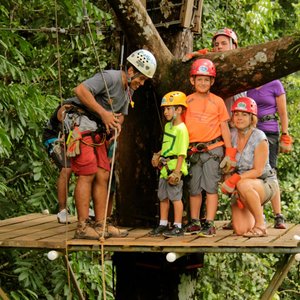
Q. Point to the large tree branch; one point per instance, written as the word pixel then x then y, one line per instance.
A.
pixel 237 70
pixel 244 68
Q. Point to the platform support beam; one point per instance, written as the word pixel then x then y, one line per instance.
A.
pixel 283 267
pixel 73 278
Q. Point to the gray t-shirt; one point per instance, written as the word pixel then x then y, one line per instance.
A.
pixel 112 79
pixel 245 159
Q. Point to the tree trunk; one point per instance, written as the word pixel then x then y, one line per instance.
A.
pixel 149 276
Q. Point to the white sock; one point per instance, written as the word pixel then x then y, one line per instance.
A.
pixel 177 224
pixel 163 222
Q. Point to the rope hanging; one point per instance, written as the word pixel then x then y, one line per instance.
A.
pixel 64 145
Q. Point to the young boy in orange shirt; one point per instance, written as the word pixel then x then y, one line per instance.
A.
pixel 207 122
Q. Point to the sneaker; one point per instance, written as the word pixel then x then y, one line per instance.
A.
pixel 208 230
pixel 63 216
pixel 85 231
pixel 159 230
pixel 98 228
pixel 193 227
pixel 173 232
pixel 279 222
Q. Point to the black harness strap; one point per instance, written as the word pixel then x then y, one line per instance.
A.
pixel 268 118
pixel 202 147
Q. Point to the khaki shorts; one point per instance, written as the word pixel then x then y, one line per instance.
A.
pixel 271 188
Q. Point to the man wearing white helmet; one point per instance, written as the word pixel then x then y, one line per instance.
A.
pixel 103 102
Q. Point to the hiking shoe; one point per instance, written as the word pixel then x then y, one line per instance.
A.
pixel 279 222
pixel 85 231
pixel 159 230
pixel 208 229
pixel 114 230
pixel 193 227
pixel 98 226
pixel 228 226
pixel 63 216
pixel 173 232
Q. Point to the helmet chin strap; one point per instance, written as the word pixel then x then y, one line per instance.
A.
pixel 174 116
pixel 127 76
pixel 245 130
pixel 129 79
pixel 248 128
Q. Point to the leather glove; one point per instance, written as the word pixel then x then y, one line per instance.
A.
pixel 228 163
pixel 174 178
pixel 155 159
pixel 235 198
pixel 73 142
pixel 228 186
pixel 285 143
pixel 191 55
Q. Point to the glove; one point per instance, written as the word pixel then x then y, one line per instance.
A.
pixel 155 159
pixel 228 163
pixel 191 55
pixel 285 143
pixel 228 186
pixel 235 199
pixel 174 178
pixel 73 142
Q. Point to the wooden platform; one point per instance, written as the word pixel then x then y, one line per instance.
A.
pixel 38 231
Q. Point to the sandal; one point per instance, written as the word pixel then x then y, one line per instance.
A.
pixel 256 232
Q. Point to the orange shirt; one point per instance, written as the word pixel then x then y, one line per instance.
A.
pixel 204 116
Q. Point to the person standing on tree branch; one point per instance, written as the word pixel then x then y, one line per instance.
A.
pixel 171 162
pixel 105 99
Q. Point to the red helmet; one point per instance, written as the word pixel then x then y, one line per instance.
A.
pixel 227 32
pixel 203 67
pixel 245 104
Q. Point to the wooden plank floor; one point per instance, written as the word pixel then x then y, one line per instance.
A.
pixel 43 232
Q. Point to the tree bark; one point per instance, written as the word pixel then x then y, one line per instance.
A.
pixel 237 70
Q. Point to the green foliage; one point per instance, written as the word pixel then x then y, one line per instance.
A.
pixel 31 69
pixel 253 21
pixel 226 276
pixel 40 278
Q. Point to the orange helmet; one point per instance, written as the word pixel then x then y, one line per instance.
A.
pixel 227 32
pixel 245 104
pixel 203 66
pixel 173 99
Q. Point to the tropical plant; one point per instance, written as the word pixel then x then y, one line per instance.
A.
pixel 39 68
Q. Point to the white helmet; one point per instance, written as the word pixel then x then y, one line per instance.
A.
pixel 144 61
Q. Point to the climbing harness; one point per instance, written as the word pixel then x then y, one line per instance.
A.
pixel 163 162
pixel 268 118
